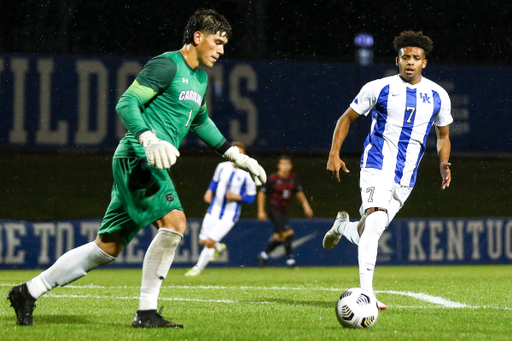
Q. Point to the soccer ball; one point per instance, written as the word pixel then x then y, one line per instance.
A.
pixel 357 308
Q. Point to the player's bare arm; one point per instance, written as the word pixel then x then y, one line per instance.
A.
pixel 444 148
pixel 340 134
pixel 233 196
pixel 305 204
pixel 208 196
pixel 262 214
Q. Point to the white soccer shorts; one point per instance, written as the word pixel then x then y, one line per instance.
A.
pixel 214 228
pixel 378 189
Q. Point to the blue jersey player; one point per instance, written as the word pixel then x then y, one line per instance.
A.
pixel 403 109
pixel 229 189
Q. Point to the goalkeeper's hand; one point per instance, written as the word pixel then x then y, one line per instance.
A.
pixel 246 163
pixel 160 154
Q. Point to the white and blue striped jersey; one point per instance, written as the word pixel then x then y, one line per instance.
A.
pixel 227 177
pixel 402 116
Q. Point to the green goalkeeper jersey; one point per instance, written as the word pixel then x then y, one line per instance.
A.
pixel 167 97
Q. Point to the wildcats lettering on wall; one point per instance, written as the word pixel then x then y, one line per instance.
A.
pixel 36 245
pixel 56 101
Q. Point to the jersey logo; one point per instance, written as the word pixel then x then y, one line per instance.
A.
pixel 185 80
pixel 425 98
pixel 190 95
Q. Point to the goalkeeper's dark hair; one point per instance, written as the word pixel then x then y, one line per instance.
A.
pixel 206 21
pixel 413 39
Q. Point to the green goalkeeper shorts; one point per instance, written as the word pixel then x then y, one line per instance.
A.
pixel 140 196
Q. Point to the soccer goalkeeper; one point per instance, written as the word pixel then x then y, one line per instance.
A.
pixel 165 101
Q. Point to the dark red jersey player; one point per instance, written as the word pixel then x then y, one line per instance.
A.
pixel 276 195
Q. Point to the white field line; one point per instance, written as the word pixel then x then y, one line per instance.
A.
pixel 439 301
pixel 431 299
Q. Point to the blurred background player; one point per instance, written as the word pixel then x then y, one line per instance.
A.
pixel 165 101
pixel 404 107
pixel 278 193
pixel 229 189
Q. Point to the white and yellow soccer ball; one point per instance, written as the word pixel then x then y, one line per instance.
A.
pixel 357 308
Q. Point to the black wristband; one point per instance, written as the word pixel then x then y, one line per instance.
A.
pixel 222 149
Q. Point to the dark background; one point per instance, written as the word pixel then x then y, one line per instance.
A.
pixel 75 184
pixel 471 32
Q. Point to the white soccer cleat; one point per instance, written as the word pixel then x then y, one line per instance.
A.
pixel 332 237
pixel 381 305
pixel 291 263
pixel 192 273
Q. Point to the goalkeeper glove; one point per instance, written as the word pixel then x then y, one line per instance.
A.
pixel 160 154
pixel 246 163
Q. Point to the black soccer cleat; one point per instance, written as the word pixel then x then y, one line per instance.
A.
pixel 23 304
pixel 152 319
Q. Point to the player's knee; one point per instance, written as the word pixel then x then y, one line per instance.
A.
pixel 174 220
pixel 378 210
pixel 289 233
pixel 210 243
pixel 110 244
pixel 280 237
pixel 376 223
pixel 361 224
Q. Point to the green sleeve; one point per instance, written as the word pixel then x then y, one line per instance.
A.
pixel 130 105
pixel 158 74
pixel 207 131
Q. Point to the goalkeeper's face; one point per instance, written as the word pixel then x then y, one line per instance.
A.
pixel 210 47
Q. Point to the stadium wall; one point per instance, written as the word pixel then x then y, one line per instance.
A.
pixel 36 245
pixel 54 101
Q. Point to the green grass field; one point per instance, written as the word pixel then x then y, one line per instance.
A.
pixel 424 303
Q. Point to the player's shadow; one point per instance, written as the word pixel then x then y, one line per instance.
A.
pixel 322 304
pixel 69 319
pixel 60 319
pixel 48 319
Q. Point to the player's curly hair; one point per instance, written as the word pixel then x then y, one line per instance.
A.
pixel 415 39
pixel 206 20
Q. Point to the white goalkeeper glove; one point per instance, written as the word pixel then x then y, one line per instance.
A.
pixel 160 154
pixel 246 163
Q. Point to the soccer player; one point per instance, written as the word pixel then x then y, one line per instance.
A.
pixel 164 102
pixel 232 187
pixel 403 107
pixel 278 192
